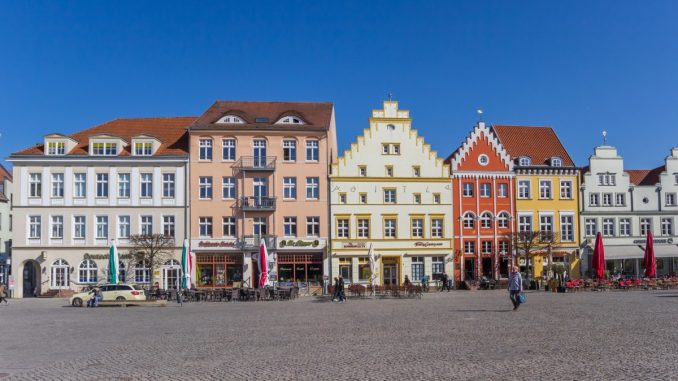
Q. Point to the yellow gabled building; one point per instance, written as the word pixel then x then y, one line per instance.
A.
pixel 547 198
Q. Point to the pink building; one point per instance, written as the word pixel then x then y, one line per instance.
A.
pixel 259 170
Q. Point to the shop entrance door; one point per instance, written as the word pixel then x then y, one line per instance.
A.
pixel 390 274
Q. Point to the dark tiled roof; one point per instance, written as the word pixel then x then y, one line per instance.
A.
pixel 263 115
pixel 645 176
pixel 171 131
pixel 540 144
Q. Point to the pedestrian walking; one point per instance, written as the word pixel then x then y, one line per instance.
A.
pixel 515 286
pixel 3 293
pixel 335 294
pixel 446 283
pixel 341 294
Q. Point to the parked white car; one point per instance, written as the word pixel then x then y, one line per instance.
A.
pixel 119 292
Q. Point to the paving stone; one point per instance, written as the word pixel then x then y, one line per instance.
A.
pixel 458 335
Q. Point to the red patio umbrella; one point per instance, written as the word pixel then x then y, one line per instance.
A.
pixel 598 260
pixel 649 260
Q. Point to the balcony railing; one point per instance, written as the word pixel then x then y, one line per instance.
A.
pixel 256 204
pixel 252 242
pixel 255 163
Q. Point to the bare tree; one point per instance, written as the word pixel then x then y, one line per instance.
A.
pixel 526 244
pixel 153 249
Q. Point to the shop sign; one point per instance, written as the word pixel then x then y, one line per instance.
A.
pixel 428 244
pixel 660 241
pixel 212 244
pixel 105 256
pixel 355 245
pixel 298 243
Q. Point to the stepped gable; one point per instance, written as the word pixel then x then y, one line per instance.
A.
pixel 481 140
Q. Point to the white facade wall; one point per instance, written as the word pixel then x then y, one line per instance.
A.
pixel 46 249
pixel 640 202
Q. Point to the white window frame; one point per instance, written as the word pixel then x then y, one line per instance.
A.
pixel 56 226
pixel 313 188
pixel 205 188
pixel 34 227
pixel 146 222
pixel 467 189
pixel 79 227
pixel 485 190
pixel 289 150
pixel 591 227
pixel 35 185
pixel 58 185
pixel 645 225
pixel 608 227
pixel 567 227
pixel 566 189
pixel 168 185
pixel 146 185
pixel 124 185
pixel 313 151
pixel 390 196
pixel 290 188
pixel 524 189
pixel 313 226
pixel 80 185
pixel 124 230
pixel 206 229
pixel 205 149
pixel 417 228
pixel 545 189
pixel 625 227
pixel 229 189
pixel 102 185
pixel 390 228
pixel 436 228
pixel 290 226
pixel 101 227
pixel 229 227
pixel 667 226
pixel 502 190
pixel 228 149
pixel 169 226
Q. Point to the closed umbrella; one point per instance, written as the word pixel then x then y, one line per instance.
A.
pixel 598 260
pixel 113 262
pixel 649 261
pixel 185 266
pixel 263 264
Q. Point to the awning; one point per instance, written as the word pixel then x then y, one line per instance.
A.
pixel 638 251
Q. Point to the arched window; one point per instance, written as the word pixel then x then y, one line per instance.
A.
pixel 142 273
pixel 556 162
pixel 172 262
pixel 486 220
pixel 291 119
pixel 230 119
pixel 87 272
pixel 503 220
pixel 524 161
pixel 469 220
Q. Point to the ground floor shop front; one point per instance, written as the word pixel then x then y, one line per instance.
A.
pixel 37 272
pixel 392 268
pixel 627 260
pixel 241 269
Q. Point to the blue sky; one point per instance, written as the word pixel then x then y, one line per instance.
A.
pixel 581 67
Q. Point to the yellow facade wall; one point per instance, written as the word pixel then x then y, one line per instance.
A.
pixel 557 205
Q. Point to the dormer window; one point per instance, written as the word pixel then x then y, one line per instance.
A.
pixel 290 120
pixel 556 162
pixel 143 148
pixel 230 119
pixel 524 161
pixel 104 149
pixel 56 148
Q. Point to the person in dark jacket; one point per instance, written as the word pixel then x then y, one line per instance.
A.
pixel 335 294
pixel 340 293
pixel 446 283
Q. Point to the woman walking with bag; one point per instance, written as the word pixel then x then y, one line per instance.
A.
pixel 515 286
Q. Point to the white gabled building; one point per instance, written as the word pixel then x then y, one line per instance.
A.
pixel 624 205
pixel 390 191
pixel 76 193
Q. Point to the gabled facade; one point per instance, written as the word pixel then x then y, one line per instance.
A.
pixel 259 170
pixel 391 192
pixel 547 196
pixel 483 206
pixel 624 205
pixel 76 193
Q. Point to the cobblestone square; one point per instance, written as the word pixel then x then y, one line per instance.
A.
pixel 456 335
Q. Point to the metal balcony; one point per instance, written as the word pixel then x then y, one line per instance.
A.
pixel 252 242
pixel 255 163
pixel 257 204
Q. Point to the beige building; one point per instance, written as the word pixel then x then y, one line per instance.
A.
pixel 75 193
pixel 392 193
pixel 259 171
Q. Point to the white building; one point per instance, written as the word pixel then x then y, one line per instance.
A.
pixel 392 193
pixel 624 205
pixel 5 223
pixel 76 193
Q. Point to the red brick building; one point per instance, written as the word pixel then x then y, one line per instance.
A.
pixel 483 206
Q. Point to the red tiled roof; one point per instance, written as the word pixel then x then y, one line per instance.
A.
pixel 540 144
pixel 171 131
pixel 316 115
pixel 645 176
